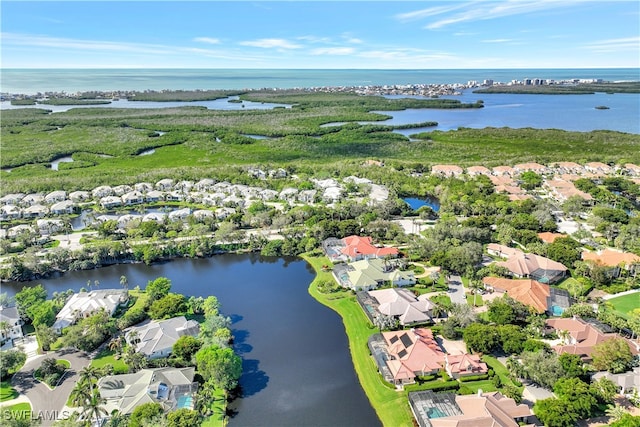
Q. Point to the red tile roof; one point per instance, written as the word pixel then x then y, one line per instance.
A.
pixel 528 292
pixel 611 258
pixel 357 245
pixel 413 352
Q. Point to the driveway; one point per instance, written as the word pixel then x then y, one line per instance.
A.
pixel 44 401
pixel 456 290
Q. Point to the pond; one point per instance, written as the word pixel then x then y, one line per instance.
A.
pixel 416 203
pixel 297 369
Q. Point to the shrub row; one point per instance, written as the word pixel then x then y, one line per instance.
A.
pixel 434 386
pixel 474 378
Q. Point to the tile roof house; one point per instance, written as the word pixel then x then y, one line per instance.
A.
pixel 166 386
pixel 632 169
pixel 368 274
pixel 478 170
pixel 464 365
pixel 528 265
pixel 542 298
pixel 503 170
pixel 446 170
pixel 481 410
pixel 599 168
pixel 354 248
pixel 549 237
pixel 627 382
pixel 85 304
pixel 562 190
pixel 581 337
pixel 412 353
pixel 155 338
pixel 530 167
pixel 615 259
pixel 403 305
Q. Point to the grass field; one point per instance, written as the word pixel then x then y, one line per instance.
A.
pixel 19 411
pixel 7 392
pixel 574 287
pixel 391 406
pixel 107 357
pixel 626 303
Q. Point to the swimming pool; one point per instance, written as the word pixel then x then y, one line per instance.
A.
pixel 185 401
pixel 435 413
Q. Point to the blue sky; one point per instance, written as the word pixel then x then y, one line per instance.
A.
pixel 325 34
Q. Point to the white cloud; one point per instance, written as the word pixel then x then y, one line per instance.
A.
pixel 431 11
pixel 14 39
pixel 333 51
pixel 498 41
pixel 615 45
pixel 478 11
pixel 271 43
pixel 208 40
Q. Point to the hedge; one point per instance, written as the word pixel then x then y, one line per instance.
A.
pixel 434 386
pixel 474 378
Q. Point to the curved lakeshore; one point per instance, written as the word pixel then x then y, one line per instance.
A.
pixel 390 405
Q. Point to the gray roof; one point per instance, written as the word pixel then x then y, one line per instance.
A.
pixel 160 335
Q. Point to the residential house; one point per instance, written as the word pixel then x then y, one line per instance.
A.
pixel 562 190
pixel 164 185
pixel 143 187
pixel 32 199
pixel 179 214
pixel 503 170
pixel 102 191
pixel 55 196
pixel 121 190
pixel 86 304
pixel 464 365
pixel 478 170
pixel 184 186
pixel 8 212
pixel 627 382
pixel 548 237
pixel 79 196
pixel 616 260
pixel 202 214
pixel 170 387
pixel 132 198
pixel 175 196
pixel 288 194
pixel 539 296
pixel 49 226
pixel 35 211
pixel 62 208
pixel 158 217
pixel 631 169
pixel 580 337
pixel 475 410
pixel 529 265
pixel 403 355
pixel 154 196
pixel 446 170
pixel 11 199
pixel 110 202
pixel 599 168
pixel 568 168
pixel 307 196
pixel 205 184
pixel 530 167
pixel 400 304
pixel 19 229
pixel 155 338
pixel 354 248
pixel 369 274
pixel 12 328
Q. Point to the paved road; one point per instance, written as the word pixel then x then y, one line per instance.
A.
pixel 44 401
pixel 456 290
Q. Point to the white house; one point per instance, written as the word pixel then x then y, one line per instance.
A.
pixel 85 304
pixel 55 196
pixel 63 207
pixel 155 338
pixel 13 325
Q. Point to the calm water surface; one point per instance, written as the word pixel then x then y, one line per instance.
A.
pixel 297 370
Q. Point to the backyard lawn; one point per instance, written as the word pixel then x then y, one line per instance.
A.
pixel 19 411
pixel 105 357
pixel 391 406
pixel 626 303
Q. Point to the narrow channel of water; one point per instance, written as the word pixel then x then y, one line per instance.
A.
pixel 297 369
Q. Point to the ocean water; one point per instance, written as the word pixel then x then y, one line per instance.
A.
pixel 31 81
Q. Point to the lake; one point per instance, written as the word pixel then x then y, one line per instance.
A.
pixel 415 203
pixel 297 369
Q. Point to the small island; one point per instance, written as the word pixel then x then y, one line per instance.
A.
pixel 602 107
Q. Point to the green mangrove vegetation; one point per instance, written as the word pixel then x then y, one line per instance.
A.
pixel 105 143
pixel 578 89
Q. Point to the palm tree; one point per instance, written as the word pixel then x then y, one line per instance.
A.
pixel 79 395
pixel 615 412
pixel 116 344
pixel 87 376
pixel 5 328
pixel 124 282
pixel 93 407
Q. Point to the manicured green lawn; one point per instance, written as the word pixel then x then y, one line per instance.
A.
pixel 484 385
pixel 105 357
pixel 626 303
pixel 475 300
pixel 499 369
pixel 219 407
pixel 391 406
pixel 574 287
pixel 7 392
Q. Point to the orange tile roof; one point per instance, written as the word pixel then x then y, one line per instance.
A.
pixel 356 245
pixel 488 410
pixel 528 292
pixel 412 352
pixel 549 237
pixel 466 363
pixel 611 258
